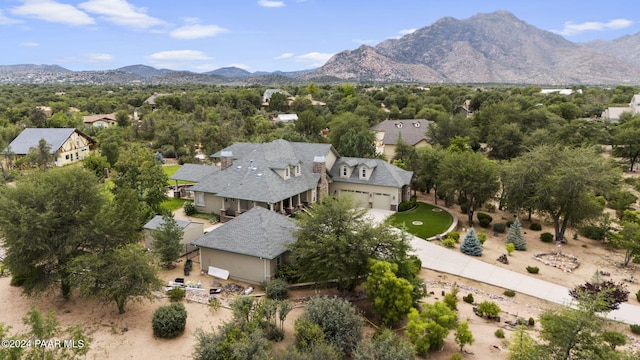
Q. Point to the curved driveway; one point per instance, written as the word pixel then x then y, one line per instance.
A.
pixel 441 259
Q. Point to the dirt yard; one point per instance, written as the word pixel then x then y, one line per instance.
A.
pixel 129 336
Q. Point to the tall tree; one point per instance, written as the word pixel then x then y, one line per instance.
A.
pixel 166 244
pixel 336 241
pixel 469 176
pixel 429 158
pixel 390 294
pixel 40 156
pixel 350 135
pixel 626 141
pixel 628 237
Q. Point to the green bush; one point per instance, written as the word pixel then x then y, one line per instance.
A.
pixel 499 227
pixel 546 237
pixel 407 205
pixel 533 269
pixel 454 235
pixel 635 329
pixel 176 294
pixel 535 227
pixel 468 298
pixel 288 273
pixel 482 236
pixel 510 248
pixel 189 208
pixel 499 334
pixel 531 321
pixel 448 242
pixel 489 309
pixel 451 300
pixel 169 321
pixel 277 289
pixel 509 293
pixel 484 219
pixel 638 295
pixel 456 356
pixel 508 223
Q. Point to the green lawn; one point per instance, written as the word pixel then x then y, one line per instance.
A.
pixel 170 170
pixel 433 222
pixel 172 204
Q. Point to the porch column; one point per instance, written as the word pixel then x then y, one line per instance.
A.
pixel 271 206
pixel 238 207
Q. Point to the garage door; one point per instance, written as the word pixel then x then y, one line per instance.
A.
pixel 360 198
pixel 381 201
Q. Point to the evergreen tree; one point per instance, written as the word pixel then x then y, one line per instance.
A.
pixel 515 236
pixel 471 245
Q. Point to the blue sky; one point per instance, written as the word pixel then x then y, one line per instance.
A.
pixel 260 35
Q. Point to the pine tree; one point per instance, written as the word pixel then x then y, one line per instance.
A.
pixel 515 236
pixel 471 245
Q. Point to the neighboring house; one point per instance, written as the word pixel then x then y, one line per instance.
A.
pixel 560 91
pixel 68 145
pixel 250 246
pixel 286 118
pixel 100 120
pixel 613 113
pixel 266 96
pixel 387 133
pixel 192 231
pixel 283 176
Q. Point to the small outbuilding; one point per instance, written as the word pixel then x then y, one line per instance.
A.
pixel 192 230
pixel 250 246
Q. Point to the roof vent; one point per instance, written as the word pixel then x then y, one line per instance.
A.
pixel 259 176
pixel 227 153
pixel 399 125
pixel 416 124
pixel 239 167
pixel 318 159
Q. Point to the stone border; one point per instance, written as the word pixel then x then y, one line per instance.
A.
pixel 453 226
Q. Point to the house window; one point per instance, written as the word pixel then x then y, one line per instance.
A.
pixel 344 170
pixel 199 199
pixel 286 172
pixel 364 172
pixel 66 156
pixel 298 169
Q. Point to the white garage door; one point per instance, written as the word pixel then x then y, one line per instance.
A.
pixel 381 201
pixel 360 198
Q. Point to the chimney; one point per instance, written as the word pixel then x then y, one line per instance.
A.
pixel 320 167
pixel 226 159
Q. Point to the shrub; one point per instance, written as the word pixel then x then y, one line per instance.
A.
pixel 535 227
pixel 277 289
pixel 510 248
pixel 468 298
pixel 508 223
pixel 509 293
pixel 407 205
pixel 635 329
pixel 307 334
pixel 484 219
pixel 288 273
pixel 169 321
pixel 176 294
pixel 490 207
pixel 638 295
pixel 594 231
pixel 499 227
pixel 482 236
pixel 451 300
pixel 448 242
pixel 533 269
pixel 456 356
pixel 338 319
pixel 546 237
pixel 189 208
pixel 499 334
pixel 531 321
pixel 489 309
pixel 454 235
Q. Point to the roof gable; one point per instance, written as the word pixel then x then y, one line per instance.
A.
pixel 412 131
pixel 383 173
pixel 194 172
pixel 30 137
pixel 158 221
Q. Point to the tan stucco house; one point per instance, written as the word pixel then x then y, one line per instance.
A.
pixel 68 145
pixel 100 120
pixel 250 246
pixel 192 230
pixel 388 132
pixel 284 176
pixel 614 113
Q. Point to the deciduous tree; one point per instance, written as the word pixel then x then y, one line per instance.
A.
pixel 390 294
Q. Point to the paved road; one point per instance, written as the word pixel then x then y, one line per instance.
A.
pixel 438 258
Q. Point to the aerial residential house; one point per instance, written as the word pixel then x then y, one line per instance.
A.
pixel 388 132
pixel 250 247
pixel 100 120
pixel 192 230
pixel 68 145
pixel 286 118
pixel 284 176
pixel 613 113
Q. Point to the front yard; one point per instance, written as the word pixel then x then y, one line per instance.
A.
pixel 424 221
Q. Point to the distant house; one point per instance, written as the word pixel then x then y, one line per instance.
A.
pixel 192 231
pixel 151 100
pixel 266 96
pixel 613 113
pixel 560 91
pixel 286 118
pixel 68 145
pixel 100 120
pixel 388 132
pixel 250 246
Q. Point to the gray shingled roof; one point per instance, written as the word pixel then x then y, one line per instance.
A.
pixel 412 131
pixel 194 172
pixel 259 232
pixel 30 137
pixel 157 221
pixel 384 174
pixel 253 177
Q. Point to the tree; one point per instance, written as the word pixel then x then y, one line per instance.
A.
pixel 391 295
pixel 446 127
pixel 522 346
pixel 336 241
pixel 278 102
pixel 39 156
pixel 46 224
pixel 505 141
pixel 231 342
pixel 469 176
pixel 97 164
pixel 515 237
pixel 628 238
pixel 428 165
pixel 120 276
pixel 337 318
pixel 123 119
pixel 350 136
pixel 385 345
pixel 169 321
pixel 463 335
pixel 616 294
pixel 626 141
pixel 471 245
pixel 167 237
pixel 561 183
pixel 309 124
pixel 428 329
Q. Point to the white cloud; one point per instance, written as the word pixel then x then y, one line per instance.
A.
pixel 284 56
pixel 7 21
pixel 406 31
pixel 197 31
pixel 121 12
pixel 571 29
pixel 29 44
pixel 315 58
pixel 270 3
pixel 98 58
pixel 52 11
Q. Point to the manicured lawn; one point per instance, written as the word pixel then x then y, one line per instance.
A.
pixel 433 222
pixel 170 170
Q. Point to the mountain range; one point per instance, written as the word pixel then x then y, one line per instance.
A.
pixel 493 48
